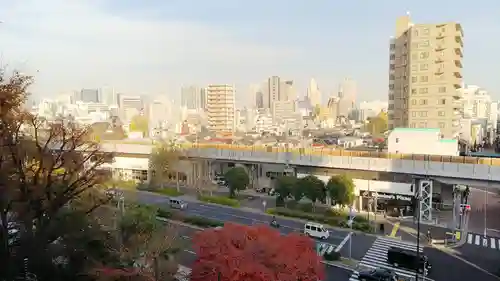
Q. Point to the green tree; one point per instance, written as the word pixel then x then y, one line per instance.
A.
pixel 297 191
pixel 139 123
pixel 284 187
pixel 164 161
pixel 237 179
pixel 378 125
pixel 341 190
pixel 313 187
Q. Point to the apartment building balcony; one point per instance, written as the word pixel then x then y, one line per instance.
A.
pixel 439 48
pixel 459 52
pixel 459 40
pixel 439 60
pixel 458 27
pixel 458 74
pixel 440 35
pixel 439 71
pixel 456 123
pixel 458 63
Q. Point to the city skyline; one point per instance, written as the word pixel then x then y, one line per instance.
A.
pixel 129 55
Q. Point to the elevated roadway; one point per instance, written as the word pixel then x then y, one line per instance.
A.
pixel 475 171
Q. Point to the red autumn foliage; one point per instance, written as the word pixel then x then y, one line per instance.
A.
pixel 254 253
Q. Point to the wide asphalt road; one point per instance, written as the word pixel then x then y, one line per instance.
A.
pixel 188 256
pixel 360 243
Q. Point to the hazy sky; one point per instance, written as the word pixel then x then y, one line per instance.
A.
pixel 153 47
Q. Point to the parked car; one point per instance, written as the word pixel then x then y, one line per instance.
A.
pixel 378 274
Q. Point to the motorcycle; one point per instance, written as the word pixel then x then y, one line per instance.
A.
pixel 275 224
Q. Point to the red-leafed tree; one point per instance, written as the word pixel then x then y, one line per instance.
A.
pixel 254 253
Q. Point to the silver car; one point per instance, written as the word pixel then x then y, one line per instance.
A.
pixel 178 204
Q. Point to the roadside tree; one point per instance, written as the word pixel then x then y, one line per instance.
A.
pixel 284 187
pixel 164 161
pixel 313 187
pixel 254 253
pixel 237 179
pixel 139 123
pixel 47 174
pixel 341 190
pixel 145 247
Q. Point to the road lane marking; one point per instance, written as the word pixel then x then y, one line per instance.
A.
pixel 339 247
pixel 493 241
pixel 189 251
pixel 485 242
pixel 395 229
pixel 469 238
pixel 477 240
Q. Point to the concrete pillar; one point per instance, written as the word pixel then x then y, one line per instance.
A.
pixel 360 203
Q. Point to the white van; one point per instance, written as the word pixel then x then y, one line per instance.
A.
pixel 177 204
pixel 316 230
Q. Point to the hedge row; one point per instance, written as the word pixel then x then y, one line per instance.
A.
pixel 339 221
pixel 220 200
pixel 194 220
pixel 168 191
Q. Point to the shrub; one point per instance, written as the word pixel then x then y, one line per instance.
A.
pixel 332 256
pixel 165 213
pixel 202 222
pixel 168 191
pixel 220 200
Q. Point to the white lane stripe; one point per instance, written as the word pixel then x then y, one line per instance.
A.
pixel 406 247
pixel 485 242
pixel 493 241
pixel 469 238
pixel 398 241
pixel 498 244
pixel 399 271
pixel 477 239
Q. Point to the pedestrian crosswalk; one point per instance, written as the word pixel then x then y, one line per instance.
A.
pixel 483 241
pixel 376 257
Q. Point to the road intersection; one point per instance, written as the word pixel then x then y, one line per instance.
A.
pixel 363 245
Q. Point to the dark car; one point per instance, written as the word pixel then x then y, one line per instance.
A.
pixel 379 274
pixel 408 259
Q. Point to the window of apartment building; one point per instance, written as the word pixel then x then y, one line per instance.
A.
pixel 441 125
pixel 424 44
pixel 392 46
pixel 414 79
pixel 424 78
pixel 425 31
pixel 422 113
pixel 414 67
pixel 442 89
pixel 392 57
pixel 391 86
pixel 413 114
pixel 441 113
pixel 392 77
pixel 391 106
pixel 414 102
pixel 405 89
pixel 392 67
pixel 422 125
pixel 424 66
pixel 413 91
pixel 443 29
pixel 424 55
pixel 423 102
pixel 412 125
pixel 423 90
pixel 391 96
pixel 441 101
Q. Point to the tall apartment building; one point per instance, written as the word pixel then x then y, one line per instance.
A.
pixel 347 96
pixel 313 93
pixel 276 89
pixel 425 73
pixel 220 107
pixel 191 97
